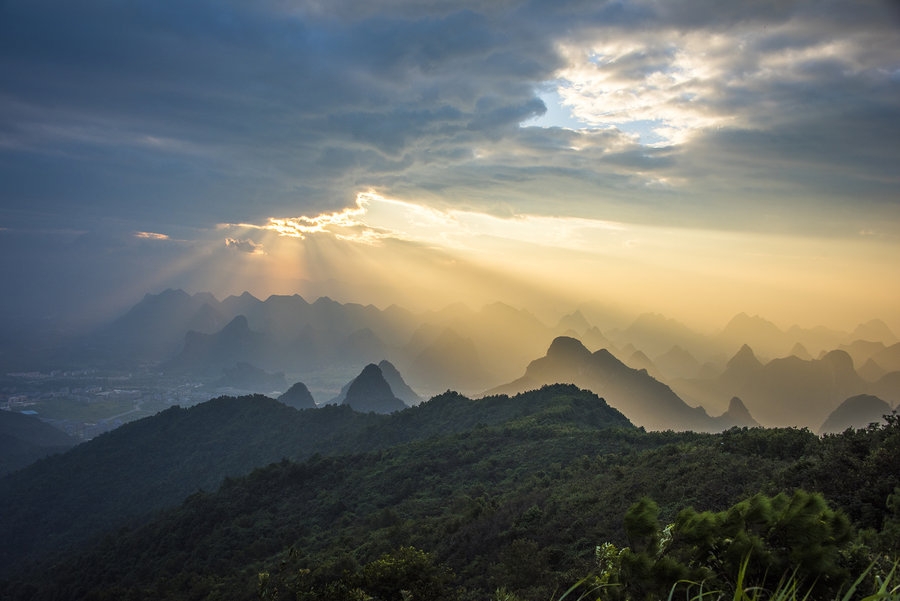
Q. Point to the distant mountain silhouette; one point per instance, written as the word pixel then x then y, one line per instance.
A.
pixel 800 351
pixel 298 397
pixel 889 358
pixel 207 319
pixel 744 326
pixel 876 330
pixel 361 346
pixel 737 415
pixel 771 341
pixel 815 339
pixel 863 350
pixel 503 339
pixel 398 386
pixel 370 392
pixel 576 322
pixel 394 380
pixel 245 304
pixel 594 338
pixel 677 363
pixel 871 371
pixel 449 362
pixel 655 334
pixel 790 390
pixel 644 400
pixel 210 353
pixel 25 439
pixel 638 360
pixel 742 368
pixel 154 328
pixel 887 387
pixel 856 412
pixel 455 347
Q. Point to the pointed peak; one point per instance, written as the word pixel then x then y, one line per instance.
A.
pixel 568 347
pixel 744 358
pixel 298 397
pixel 244 299
pixel 737 405
pixel 737 415
pixel 574 321
pixel 605 358
pixel 370 391
pixel 385 365
pixel 745 351
pixel 398 385
pixel 800 351
pixel 639 356
pixel 371 370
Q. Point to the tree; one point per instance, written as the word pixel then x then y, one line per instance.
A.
pixel 758 542
pixel 405 574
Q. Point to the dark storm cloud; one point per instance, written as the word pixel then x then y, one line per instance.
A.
pixel 254 94
pixel 224 111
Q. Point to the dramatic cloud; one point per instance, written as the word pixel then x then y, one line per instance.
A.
pixel 464 120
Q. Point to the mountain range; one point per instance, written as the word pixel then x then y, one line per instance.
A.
pixel 787 390
pixel 646 401
pixel 781 377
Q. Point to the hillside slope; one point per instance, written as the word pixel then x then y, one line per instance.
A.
pixel 156 462
pixel 519 506
pixel 25 439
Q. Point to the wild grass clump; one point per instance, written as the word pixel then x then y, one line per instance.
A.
pixel 789 589
pixel 885 588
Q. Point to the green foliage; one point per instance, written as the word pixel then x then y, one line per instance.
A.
pixel 642 526
pixel 407 573
pixel 761 541
pixel 504 497
pixel 404 574
pixel 123 476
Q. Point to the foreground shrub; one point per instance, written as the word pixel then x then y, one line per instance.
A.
pixel 762 543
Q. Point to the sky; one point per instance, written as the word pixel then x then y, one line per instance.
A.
pixel 686 157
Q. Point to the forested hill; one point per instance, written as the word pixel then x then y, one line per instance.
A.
pixel 122 476
pixel 24 439
pixel 519 506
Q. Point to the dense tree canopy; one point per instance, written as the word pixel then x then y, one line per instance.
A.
pixel 512 496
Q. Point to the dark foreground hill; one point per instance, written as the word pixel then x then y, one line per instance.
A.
pixel 25 439
pixel 120 477
pixel 518 505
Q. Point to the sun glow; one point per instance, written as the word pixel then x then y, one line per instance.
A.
pixel 390 251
